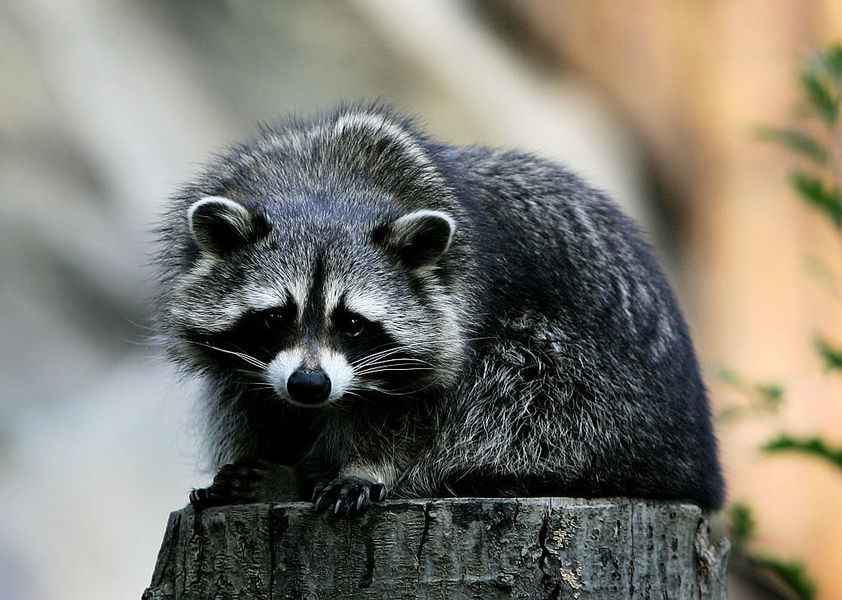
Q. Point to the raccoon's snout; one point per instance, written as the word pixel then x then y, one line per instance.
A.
pixel 308 387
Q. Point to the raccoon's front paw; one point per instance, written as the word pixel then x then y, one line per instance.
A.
pixel 348 495
pixel 237 483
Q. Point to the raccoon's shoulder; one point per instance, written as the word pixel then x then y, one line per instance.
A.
pixel 555 238
pixel 518 181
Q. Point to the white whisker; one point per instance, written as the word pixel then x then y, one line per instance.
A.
pixel 241 355
pixel 387 370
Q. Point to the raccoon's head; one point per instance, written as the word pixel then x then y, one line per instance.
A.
pixel 318 301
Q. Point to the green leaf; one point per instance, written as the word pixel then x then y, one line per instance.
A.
pixel 742 524
pixel 761 397
pixel 729 376
pixel 814 446
pixel 814 192
pixel 822 99
pixel 771 394
pixel 832 356
pixel 792 574
pixel 831 60
pixel 797 141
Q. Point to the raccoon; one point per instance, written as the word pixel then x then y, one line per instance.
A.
pixel 386 315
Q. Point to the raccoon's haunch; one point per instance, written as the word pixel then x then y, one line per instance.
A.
pixel 487 322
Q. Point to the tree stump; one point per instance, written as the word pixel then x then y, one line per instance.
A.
pixel 451 549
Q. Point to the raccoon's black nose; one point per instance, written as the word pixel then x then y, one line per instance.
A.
pixel 308 387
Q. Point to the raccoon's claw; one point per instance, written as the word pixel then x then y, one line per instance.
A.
pixel 348 495
pixel 235 483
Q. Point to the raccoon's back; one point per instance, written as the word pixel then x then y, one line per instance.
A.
pixel 544 237
pixel 572 285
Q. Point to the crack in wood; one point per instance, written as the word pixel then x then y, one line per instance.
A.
pixel 368 573
pixel 548 581
pixel 424 534
pixel 631 562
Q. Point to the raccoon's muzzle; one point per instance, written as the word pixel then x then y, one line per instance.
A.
pixel 308 387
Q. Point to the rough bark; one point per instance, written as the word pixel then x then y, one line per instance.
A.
pixel 435 549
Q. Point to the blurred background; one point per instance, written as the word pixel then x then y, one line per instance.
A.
pixel 107 106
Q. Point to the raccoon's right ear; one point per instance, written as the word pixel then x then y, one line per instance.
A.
pixel 220 226
pixel 419 238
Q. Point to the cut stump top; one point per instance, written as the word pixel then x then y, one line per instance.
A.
pixel 455 549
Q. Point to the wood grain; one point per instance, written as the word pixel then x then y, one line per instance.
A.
pixel 442 549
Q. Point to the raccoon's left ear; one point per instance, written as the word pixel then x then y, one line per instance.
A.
pixel 419 238
pixel 220 226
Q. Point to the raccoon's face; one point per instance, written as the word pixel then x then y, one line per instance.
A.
pixel 319 303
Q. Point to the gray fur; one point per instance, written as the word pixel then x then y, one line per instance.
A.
pixel 543 350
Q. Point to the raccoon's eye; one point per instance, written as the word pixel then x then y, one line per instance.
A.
pixel 351 325
pixel 274 318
